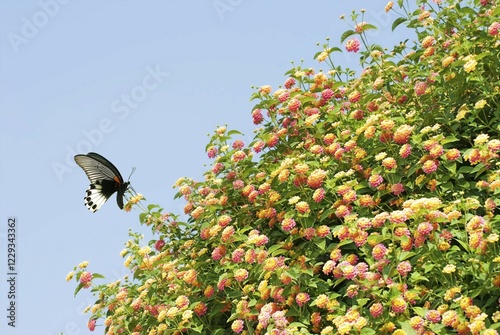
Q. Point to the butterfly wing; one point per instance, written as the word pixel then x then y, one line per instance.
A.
pixel 98 168
pixel 105 179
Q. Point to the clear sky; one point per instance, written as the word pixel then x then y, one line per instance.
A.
pixel 142 83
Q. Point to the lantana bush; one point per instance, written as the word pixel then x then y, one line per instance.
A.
pixel 365 204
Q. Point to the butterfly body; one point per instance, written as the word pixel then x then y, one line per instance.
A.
pixel 105 179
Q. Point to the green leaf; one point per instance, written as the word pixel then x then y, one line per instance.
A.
pixel 452 167
pixel 375 239
pixel 346 34
pixel 152 206
pixel 468 10
pixel 464 244
pixel 428 266
pixel 327 213
pixel 335 49
pixel 420 311
pixel 291 274
pixel 297 324
pixel 78 288
pixel 363 302
pixel 368 331
pixel 254 96
pixel 368 26
pixel 198 329
pixel 465 169
pixel 233 132
pixel 417 277
pixel 276 250
pixel 407 328
pixel 397 22
pixel 405 255
pixel 321 244
pixel 479 169
pixel 309 272
pixel 412 169
pixel 450 139
pixel 312 283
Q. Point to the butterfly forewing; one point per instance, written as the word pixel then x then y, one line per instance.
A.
pixel 97 167
pixel 105 179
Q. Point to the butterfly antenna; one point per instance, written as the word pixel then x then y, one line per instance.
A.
pixel 131 173
pixel 130 186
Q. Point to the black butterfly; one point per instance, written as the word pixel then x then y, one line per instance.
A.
pixel 105 179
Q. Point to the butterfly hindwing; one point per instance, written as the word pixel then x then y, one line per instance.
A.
pixel 95 197
pixel 105 179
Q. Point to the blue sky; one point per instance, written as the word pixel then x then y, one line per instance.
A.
pixel 142 83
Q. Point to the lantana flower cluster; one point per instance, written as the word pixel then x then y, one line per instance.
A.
pixel 366 203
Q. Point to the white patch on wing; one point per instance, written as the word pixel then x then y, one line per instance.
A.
pixel 94 199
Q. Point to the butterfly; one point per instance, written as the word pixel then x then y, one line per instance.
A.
pixel 105 179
